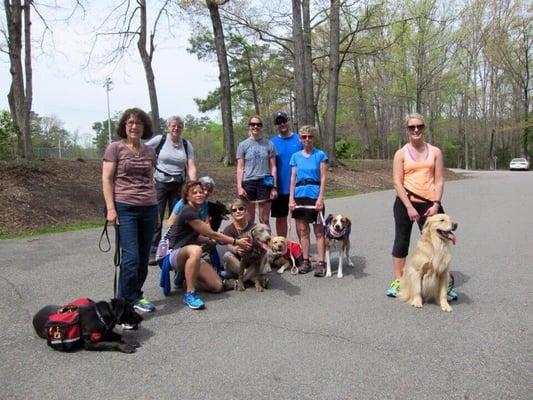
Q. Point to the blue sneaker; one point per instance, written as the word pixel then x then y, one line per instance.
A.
pixel 144 305
pixel 193 301
pixel 394 288
pixel 452 295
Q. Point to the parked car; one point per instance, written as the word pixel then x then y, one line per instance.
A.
pixel 519 163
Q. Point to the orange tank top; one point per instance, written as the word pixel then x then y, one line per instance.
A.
pixel 419 176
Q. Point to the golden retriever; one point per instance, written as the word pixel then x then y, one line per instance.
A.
pixel 277 255
pixel 425 276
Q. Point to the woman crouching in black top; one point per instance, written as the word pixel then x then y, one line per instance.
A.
pixel 186 254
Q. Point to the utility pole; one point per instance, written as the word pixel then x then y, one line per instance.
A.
pixel 108 86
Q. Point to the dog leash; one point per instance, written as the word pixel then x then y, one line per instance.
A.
pixel 294 268
pixel 116 256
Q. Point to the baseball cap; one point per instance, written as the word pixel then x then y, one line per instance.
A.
pixel 280 116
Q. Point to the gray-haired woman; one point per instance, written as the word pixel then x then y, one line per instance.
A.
pixel 175 163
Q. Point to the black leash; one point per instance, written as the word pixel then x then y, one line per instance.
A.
pixel 116 256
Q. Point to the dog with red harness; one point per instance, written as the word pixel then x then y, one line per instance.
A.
pixel 337 229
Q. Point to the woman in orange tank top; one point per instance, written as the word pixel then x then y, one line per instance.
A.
pixel 418 169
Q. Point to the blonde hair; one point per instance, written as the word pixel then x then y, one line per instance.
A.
pixel 414 116
pixel 238 203
pixel 308 130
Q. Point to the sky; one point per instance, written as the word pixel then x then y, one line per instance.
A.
pixel 76 95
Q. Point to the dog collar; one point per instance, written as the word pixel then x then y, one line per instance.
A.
pixel 102 320
pixel 334 234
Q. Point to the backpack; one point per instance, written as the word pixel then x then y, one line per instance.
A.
pixel 160 146
pixel 63 327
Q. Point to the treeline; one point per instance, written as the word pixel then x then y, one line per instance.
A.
pixel 352 68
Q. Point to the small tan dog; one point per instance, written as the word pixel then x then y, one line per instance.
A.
pixel 425 276
pixel 277 255
pixel 285 254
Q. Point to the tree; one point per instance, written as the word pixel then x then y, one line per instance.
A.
pixel 333 81
pixel 224 79
pixel 21 90
pixel 130 24
pixel 101 139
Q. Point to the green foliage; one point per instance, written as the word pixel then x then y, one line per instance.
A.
pixel 101 130
pixel 451 152
pixel 8 136
pixel 346 149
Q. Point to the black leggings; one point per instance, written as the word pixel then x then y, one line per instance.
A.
pixel 403 226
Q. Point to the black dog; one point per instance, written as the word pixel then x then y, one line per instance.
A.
pixel 97 322
pixel 217 212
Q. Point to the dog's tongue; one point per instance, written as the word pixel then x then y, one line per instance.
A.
pixel 265 246
pixel 451 237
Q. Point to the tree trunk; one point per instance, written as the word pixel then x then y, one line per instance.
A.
pixel 363 118
pixel 225 91
pixel 333 84
pixel 308 65
pixel 299 73
pixel 21 91
pixel 146 57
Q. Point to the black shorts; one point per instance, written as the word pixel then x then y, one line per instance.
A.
pixel 307 214
pixel 280 206
pixel 256 190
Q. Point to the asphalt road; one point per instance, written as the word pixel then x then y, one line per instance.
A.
pixel 305 338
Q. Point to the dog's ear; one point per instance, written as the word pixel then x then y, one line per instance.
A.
pixel 328 219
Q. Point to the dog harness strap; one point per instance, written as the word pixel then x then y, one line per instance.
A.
pixel 332 233
pixel 102 319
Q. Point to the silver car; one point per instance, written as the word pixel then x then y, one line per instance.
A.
pixel 519 163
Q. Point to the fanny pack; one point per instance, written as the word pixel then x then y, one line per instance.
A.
pixel 308 182
pixel 268 180
pixel 177 178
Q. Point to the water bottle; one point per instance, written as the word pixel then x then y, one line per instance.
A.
pixel 162 249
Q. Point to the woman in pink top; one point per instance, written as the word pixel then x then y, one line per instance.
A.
pixel 418 174
pixel 131 203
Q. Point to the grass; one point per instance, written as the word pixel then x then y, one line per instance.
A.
pixel 333 194
pixel 52 229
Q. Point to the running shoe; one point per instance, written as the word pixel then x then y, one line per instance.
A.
pixel 144 305
pixel 193 301
pixel 394 288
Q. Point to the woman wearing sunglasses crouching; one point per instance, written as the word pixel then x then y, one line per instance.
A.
pixel 186 253
pixel 239 226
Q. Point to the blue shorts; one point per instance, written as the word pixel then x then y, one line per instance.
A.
pixel 256 190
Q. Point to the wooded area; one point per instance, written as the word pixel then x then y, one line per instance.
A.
pixel 352 68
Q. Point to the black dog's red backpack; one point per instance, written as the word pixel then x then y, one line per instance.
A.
pixel 63 327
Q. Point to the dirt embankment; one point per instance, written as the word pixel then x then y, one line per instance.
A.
pixel 57 192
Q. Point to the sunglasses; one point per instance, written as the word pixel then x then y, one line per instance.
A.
pixel 413 127
pixel 255 124
pixel 234 210
pixel 305 137
pixel 281 121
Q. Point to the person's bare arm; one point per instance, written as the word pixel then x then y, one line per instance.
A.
pixel 108 176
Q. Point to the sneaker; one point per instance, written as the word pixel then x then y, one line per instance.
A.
pixel 193 301
pixel 305 267
pixel 452 295
pixel 394 288
pixel 179 279
pixel 144 305
pixel 152 260
pixel 228 284
pixel 129 327
pixel 320 269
